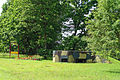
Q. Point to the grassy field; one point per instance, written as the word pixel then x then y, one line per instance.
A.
pixel 13 69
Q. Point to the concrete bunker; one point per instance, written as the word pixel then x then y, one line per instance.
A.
pixel 72 56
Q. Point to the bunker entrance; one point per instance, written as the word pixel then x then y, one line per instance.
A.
pixel 64 60
pixel 80 60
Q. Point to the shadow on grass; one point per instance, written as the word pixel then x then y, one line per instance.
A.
pixel 117 71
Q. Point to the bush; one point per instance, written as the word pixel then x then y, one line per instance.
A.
pixel 47 54
pixel 36 57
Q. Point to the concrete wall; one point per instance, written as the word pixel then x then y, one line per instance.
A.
pixel 71 56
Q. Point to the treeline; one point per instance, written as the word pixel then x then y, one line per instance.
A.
pixel 40 26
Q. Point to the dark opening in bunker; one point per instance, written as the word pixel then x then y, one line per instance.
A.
pixel 64 60
pixel 80 60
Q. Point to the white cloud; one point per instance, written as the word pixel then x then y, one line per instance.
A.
pixel 1 3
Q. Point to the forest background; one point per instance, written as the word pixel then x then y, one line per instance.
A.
pixel 41 26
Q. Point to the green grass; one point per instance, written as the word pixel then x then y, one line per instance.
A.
pixel 13 69
pixel 6 55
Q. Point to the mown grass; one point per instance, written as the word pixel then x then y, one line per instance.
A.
pixel 14 69
pixel 6 55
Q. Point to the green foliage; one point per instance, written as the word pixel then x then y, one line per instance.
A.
pixel 32 23
pixel 74 41
pixel 104 29
pixel 36 57
pixel 77 11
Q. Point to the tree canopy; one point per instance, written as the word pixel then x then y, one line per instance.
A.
pixel 32 23
pixel 104 29
pixel 39 26
pixel 77 11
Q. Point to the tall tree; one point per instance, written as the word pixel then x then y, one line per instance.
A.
pixel 35 24
pixel 76 17
pixel 104 29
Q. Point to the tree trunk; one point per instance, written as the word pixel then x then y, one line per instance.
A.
pixel 75 34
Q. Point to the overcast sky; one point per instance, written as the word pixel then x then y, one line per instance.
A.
pixel 1 3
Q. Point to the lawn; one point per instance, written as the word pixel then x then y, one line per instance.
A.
pixel 13 69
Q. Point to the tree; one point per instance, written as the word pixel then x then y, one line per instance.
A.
pixel 104 29
pixel 76 17
pixel 34 24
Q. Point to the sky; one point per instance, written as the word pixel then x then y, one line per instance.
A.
pixel 1 3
